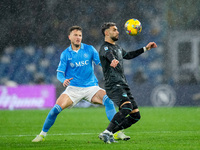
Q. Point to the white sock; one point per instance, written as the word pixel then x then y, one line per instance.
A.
pixel 43 133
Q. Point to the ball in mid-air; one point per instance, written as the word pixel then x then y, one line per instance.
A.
pixel 133 27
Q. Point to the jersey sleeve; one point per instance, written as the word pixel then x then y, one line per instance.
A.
pixel 132 54
pixel 95 56
pixel 60 76
pixel 62 64
pixel 108 53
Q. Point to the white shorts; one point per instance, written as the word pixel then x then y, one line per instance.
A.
pixel 76 94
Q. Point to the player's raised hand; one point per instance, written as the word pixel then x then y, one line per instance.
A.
pixel 151 45
pixel 67 82
pixel 114 63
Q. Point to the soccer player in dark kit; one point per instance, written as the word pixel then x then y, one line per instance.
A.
pixel 111 56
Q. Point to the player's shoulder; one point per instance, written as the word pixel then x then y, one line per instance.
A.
pixel 65 51
pixel 83 45
pixel 87 47
pixel 105 46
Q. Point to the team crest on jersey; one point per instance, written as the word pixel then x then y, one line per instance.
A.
pixel 72 65
pixel 85 55
pixel 106 48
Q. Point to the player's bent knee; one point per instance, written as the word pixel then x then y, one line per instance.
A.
pixel 64 101
pixel 134 110
pixel 126 109
pixel 135 116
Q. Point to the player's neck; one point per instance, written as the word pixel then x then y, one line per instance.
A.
pixel 75 48
pixel 110 41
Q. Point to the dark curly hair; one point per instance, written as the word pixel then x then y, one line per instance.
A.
pixel 107 25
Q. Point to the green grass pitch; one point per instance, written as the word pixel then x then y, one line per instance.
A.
pixel 175 128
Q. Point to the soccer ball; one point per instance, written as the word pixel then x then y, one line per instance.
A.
pixel 133 27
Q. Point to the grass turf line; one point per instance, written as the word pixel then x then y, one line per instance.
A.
pixel 78 128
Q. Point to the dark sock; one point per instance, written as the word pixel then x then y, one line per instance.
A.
pixel 127 122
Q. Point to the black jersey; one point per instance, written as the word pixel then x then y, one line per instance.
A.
pixel 115 76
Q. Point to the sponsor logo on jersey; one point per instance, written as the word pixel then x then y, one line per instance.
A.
pixel 79 64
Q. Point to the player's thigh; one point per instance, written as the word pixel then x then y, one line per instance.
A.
pixel 132 100
pixel 98 97
pixel 64 101
pixel 118 95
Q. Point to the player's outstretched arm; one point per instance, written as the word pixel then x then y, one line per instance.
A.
pixel 151 45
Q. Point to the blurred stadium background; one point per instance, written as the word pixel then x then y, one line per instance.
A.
pixel 33 33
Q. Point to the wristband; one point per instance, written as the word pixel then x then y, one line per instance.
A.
pixel 145 49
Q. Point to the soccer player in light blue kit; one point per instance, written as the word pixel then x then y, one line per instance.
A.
pixel 75 71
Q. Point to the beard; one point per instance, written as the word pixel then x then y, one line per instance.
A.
pixel 114 38
pixel 76 45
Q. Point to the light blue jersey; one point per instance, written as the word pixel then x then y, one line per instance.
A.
pixel 79 66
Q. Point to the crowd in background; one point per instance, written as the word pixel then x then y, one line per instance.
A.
pixel 38 24
pixel 43 22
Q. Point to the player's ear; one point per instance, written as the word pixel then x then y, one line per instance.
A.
pixel 106 32
pixel 69 37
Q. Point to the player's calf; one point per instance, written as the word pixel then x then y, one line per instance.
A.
pixel 109 107
pixel 128 121
pixel 120 116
